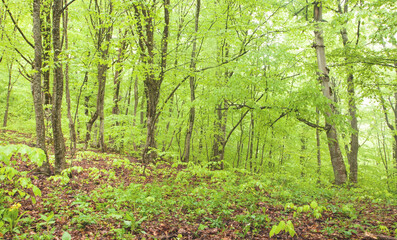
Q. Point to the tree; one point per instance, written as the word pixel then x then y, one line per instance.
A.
pixel 36 83
pixel 352 150
pixel 56 116
pixel 144 14
pixel 103 29
pixel 333 144
pixel 192 83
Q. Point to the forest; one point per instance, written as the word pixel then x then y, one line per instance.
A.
pixel 198 119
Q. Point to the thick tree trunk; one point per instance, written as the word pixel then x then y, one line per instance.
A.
pixel 192 82
pixel 218 148
pixel 152 83
pixel 59 141
pixel 152 95
pixel 36 85
pixel 333 144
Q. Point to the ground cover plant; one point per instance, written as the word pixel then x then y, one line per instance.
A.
pixel 111 196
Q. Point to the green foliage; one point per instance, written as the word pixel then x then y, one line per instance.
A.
pixel 282 226
pixel 66 236
pixel 9 219
pixel 349 210
pixel 314 209
pixel 19 179
pixel 131 223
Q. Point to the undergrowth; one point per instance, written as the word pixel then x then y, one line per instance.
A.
pixel 181 200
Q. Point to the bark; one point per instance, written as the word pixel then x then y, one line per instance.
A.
pixel 152 83
pixel 102 69
pixel 302 155
pixel 391 126
pixel 36 85
pixel 103 37
pixel 59 141
pixel 136 103
pixel 72 129
pixel 192 82
pixel 218 148
pixel 9 89
pixel 117 77
pixel 353 149
pixel 332 137
pixel 318 145
pixel 46 33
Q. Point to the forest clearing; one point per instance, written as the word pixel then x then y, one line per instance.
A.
pixel 198 119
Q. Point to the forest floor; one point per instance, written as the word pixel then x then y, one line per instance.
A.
pixel 108 196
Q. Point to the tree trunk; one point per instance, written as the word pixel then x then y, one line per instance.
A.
pixel 353 150
pixel 103 37
pixel 136 103
pixel 9 89
pixel 46 32
pixel 117 77
pixel 192 82
pixel 152 83
pixel 36 85
pixel 318 145
pixel 333 144
pixel 59 141
pixel 72 130
pixel 302 155
pixel 102 68
pixel 218 149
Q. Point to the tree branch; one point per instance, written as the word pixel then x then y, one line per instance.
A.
pixel 16 25
pixel 67 5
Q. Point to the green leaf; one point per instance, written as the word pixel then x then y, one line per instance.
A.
pixel 66 236
pixel 273 231
pixel 36 191
pixel 314 205
pixel 202 227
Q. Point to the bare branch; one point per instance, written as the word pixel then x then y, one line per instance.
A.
pixel 67 5
pixel 16 25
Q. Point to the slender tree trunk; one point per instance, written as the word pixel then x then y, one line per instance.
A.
pixel 46 33
pixel 59 141
pixel 353 150
pixel 72 130
pixel 318 145
pixel 9 89
pixel 36 85
pixel 136 103
pixel 103 37
pixel 128 99
pixel 192 82
pixel 333 144
pixel 302 155
pixel 117 77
